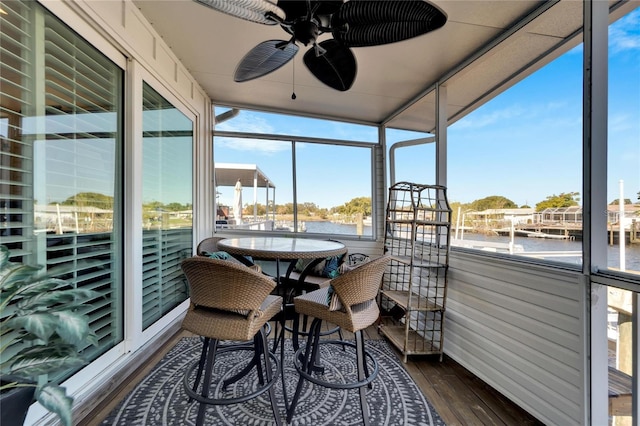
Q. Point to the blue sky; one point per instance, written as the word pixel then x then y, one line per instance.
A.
pixel 536 127
pixel 526 144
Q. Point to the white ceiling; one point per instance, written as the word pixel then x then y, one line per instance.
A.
pixel 484 47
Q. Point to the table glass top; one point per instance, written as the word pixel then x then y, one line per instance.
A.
pixel 282 247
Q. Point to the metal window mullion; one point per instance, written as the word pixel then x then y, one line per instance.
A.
pixel 441 134
pixel 595 84
pixel 635 383
pixel 255 195
pixel 295 186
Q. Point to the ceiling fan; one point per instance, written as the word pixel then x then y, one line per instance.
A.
pixel 352 23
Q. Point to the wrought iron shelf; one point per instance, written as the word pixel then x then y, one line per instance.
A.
pixel 414 287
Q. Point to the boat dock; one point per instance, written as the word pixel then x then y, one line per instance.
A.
pixel 570 231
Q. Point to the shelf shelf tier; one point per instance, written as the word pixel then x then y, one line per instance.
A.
pixel 414 302
pixel 408 341
pixel 427 285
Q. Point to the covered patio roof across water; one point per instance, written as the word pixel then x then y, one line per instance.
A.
pixel 250 176
pixel 227 174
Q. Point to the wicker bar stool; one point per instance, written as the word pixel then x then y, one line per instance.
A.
pixel 229 302
pixel 350 302
pixel 307 275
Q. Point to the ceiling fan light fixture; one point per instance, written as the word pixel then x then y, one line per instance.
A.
pixel 249 10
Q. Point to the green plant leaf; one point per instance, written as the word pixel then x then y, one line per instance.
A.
pixel 55 399
pixel 42 324
pixel 39 285
pixel 44 359
pixel 73 328
pixel 13 275
pixel 42 328
pixel 4 256
pixel 66 299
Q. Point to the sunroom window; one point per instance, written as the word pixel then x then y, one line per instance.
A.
pixel 271 178
pixel 60 166
pixel 167 204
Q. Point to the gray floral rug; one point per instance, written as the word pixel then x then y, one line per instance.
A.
pixel 160 399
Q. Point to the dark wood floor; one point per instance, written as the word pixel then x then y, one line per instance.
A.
pixel 457 395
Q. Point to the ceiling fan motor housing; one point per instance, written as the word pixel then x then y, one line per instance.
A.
pixel 306 31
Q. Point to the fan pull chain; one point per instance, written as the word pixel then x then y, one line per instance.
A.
pixel 293 83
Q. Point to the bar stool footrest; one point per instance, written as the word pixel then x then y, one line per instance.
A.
pixel 352 385
pixel 236 400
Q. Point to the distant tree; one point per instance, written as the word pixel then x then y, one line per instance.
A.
pixel 492 202
pixel 458 207
pixel 525 206
pixel 617 202
pixel 174 207
pixel 93 199
pixel 563 200
pixel 308 209
pixel 354 206
pixel 638 195
pixel 455 206
pixel 247 210
pixel 284 208
pixel 153 205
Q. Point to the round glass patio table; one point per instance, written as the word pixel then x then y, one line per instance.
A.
pixel 281 248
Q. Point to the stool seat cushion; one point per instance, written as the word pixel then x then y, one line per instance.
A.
pixel 225 325
pixel 316 280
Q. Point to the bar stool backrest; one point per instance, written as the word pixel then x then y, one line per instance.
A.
pixel 361 284
pixel 208 245
pixel 224 285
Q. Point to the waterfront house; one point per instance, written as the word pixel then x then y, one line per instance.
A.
pixel 630 213
pixel 118 97
pixel 572 214
pixel 515 216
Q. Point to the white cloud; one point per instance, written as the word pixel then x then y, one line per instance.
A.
pixel 478 121
pixel 620 122
pixel 249 123
pixel 625 34
pixel 253 145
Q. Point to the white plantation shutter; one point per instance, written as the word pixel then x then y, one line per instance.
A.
pixel 60 167
pixel 167 179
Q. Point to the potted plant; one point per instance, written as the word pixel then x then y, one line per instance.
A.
pixel 41 332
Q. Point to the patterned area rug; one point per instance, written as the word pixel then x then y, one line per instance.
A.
pixel 160 399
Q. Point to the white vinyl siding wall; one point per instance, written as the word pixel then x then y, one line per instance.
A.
pixel 520 328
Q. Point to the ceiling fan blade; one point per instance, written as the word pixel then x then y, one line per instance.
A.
pixel 266 57
pixel 336 67
pixel 361 23
pixel 254 10
pixel 293 9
